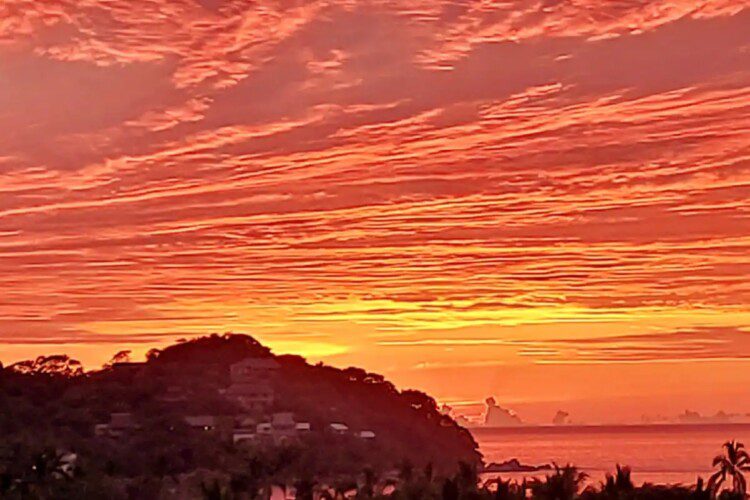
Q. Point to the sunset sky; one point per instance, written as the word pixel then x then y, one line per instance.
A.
pixel 541 200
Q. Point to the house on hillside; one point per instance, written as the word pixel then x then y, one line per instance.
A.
pixel 243 436
pixel 218 425
pixel 302 427
pixel 254 369
pixel 244 430
pixel 281 428
pixel 173 394
pixel 201 422
pixel 251 383
pixel 366 435
pixel 251 396
pixel 338 428
pixel 119 425
pixel 264 429
pixel 284 426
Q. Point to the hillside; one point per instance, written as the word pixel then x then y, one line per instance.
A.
pixel 221 405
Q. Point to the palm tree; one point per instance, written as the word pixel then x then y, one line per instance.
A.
pixel 367 490
pixel 304 489
pixel 700 491
pixel 343 487
pixel 564 484
pixel 450 490
pixel 506 490
pixel 620 483
pixel 406 471
pixel 467 478
pixel 732 464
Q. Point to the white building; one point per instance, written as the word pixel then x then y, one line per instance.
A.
pixel 338 428
pixel 302 427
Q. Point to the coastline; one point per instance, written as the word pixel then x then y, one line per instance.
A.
pixel 669 453
pixel 669 426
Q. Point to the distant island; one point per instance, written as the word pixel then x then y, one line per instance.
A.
pixel 218 408
pixel 514 465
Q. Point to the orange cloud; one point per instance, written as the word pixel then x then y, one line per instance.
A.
pixel 307 174
pixel 698 344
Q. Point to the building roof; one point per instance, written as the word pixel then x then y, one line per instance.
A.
pixel 245 421
pixel 244 432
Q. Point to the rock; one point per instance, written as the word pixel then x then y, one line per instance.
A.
pixel 513 465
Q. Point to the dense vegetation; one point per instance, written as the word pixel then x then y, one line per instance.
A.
pixel 49 407
pixel 258 481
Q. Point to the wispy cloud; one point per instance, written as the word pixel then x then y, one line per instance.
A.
pixel 698 344
pixel 376 172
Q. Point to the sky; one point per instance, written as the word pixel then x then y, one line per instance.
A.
pixel 541 200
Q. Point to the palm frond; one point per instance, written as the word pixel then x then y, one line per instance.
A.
pixel 716 479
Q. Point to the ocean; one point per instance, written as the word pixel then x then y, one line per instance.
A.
pixel 655 453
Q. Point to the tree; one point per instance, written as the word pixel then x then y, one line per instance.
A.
pixel 701 492
pixel 304 489
pixel 467 478
pixel 120 357
pixel 367 491
pixel 563 484
pixel 619 484
pixel 57 365
pixel 215 491
pixel 507 490
pixel 153 354
pixel 450 490
pixel 732 464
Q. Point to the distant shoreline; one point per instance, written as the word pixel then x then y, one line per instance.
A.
pixel 594 428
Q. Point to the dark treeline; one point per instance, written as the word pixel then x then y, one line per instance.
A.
pixel 44 476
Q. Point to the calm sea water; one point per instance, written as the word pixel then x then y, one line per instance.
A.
pixel 656 453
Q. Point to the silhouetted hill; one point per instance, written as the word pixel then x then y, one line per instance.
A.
pixel 176 414
pixel 217 349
